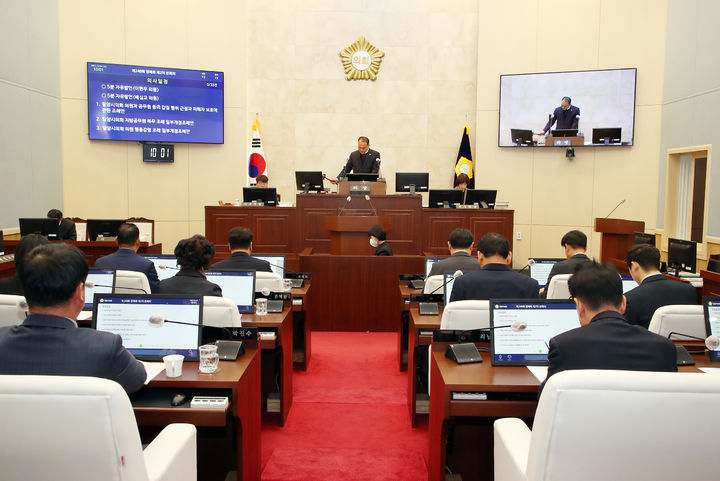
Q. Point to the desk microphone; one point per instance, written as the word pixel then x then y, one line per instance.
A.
pixel 712 342
pixel 290 274
pixel 516 326
pixel 618 205
pixel 162 267
pixel 367 198
pixel 530 263
pixel 455 276
pixel 347 201
pixel 157 321
pixel 91 284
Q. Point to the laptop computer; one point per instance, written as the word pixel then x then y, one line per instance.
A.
pixel 711 309
pixel 128 315
pixel 236 285
pixel 540 271
pixel 545 318
pixel 166 265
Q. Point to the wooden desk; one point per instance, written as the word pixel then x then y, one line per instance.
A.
pixel 405 293
pixel 94 250
pixel 711 283
pixel 617 238
pixel 419 338
pixel 301 327
pixel 240 380
pixel 280 350
pixel 7 269
pixel 564 141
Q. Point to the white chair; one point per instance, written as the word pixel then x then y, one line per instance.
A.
pixel 688 319
pixel 466 315
pixel 13 310
pixel 619 425
pixel 270 280
pixel 434 283
pixel 131 282
pixel 220 312
pixel 558 287
pixel 84 429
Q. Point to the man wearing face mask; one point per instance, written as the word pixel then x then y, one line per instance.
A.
pixel 363 161
pixel 377 240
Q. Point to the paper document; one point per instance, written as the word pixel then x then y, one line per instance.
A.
pixel 84 316
pixel 710 370
pixel 540 372
pixel 152 369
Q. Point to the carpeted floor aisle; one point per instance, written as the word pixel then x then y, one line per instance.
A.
pixel 349 420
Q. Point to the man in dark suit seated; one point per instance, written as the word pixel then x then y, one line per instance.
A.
pixel 377 239
pixel 654 289
pixel 240 240
pixel 460 245
pixel 606 340
pixel 575 245
pixel 363 161
pixel 12 285
pixel 496 280
pixel 66 227
pixel 193 256
pixel 126 257
pixel 49 342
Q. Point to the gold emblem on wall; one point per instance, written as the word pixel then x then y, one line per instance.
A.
pixel 361 60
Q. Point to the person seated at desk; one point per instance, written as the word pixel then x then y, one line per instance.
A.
pixel 12 285
pixel 567 117
pixel 575 245
pixel 66 227
pixel 654 290
pixel 460 245
pixel 462 181
pixel 240 240
pixel 261 181
pixel 495 280
pixel 126 257
pixel 193 256
pixel 377 240
pixel 49 342
pixel 363 161
pixel 606 340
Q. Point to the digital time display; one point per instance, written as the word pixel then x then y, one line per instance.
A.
pixel 158 153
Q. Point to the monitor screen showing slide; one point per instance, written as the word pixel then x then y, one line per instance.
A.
pixel 429 261
pixel 166 265
pixel 628 283
pixel 449 280
pixel 711 306
pixel 277 263
pixel 540 271
pixel 128 315
pixel 236 285
pixel 545 319
pixel 104 280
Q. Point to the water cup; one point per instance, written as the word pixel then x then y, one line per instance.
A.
pixel 260 306
pixel 209 358
pixel 287 285
pixel 173 365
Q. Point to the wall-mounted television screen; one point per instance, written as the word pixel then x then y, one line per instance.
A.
pixel 154 104
pixel 596 106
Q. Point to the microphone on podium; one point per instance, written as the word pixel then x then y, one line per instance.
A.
pixel 367 198
pixel 347 201
pixel 622 201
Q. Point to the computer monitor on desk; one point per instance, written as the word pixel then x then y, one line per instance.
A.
pixel 682 255
pixel 521 137
pixel 368 177
pixel 103 283
pixel 236 285
pixel 166 265
pixel 644 238
pixel 565 133
pixel 277 263
pixel 484 199
pixel 412 182
pixel 711 308
pixel 429 261
pixel 540 270
pixel 445 198
pixel 129 316
pixel 628 283
pixel 42 226
pixel 607 136
pixel 266 195
pixel 105 229
pixel 309 181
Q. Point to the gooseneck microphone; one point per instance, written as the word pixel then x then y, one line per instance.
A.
pixel 530 263
pixel 712 342
pixel 367 198
pixel 157 321
pixel 455 276
pixel 347 201
pixel 622 201
pixel 162 267
pixel 516 326
pixel 91 284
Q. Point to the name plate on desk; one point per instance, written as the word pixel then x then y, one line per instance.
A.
pixel 244 333
pixel 562 142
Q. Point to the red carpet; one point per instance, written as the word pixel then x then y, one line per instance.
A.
pixel 349 419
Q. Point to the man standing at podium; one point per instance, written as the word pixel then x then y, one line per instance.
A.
pixel 363 161
pixel 567 116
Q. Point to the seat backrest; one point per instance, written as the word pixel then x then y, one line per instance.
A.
pixel 270 280
pixel 220 312
pixel 625 425
pixel 466 315
pixel 687 319
pixel 128 282
pixel 558 287
pixel 66 427
pixel 13 310
pixel 433 283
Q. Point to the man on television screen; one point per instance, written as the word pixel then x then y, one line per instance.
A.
pixel 363 161
pixel 567 116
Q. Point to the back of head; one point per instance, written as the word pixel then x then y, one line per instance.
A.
pixel 377 231
pixel 494 244
pixel 128 234
pixel 460 239
pixel 597 285
pixel 462 179
pixel 50 273
pixel 647 257
pixel 240 238
pixel 195 252
pixel 575 239
pixel 26 244
pixel 54 214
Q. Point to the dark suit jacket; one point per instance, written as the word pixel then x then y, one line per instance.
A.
pixel 609 342
pixel 53 345
pixel 66 230
pixel 12 286
pixel 242 261
pixel 656 291
pixel 367 163
pixel 127 260
pixel 566 119
pixel 461 261
pixel 494 281
pixel 566 267
pixel 190 282
pixel 384 249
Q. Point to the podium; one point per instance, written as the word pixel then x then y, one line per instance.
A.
pixel 376 188
pixel 618 236
pixel 348 234
pixel 564 141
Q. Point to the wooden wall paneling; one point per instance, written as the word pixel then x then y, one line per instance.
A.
pixel 437 225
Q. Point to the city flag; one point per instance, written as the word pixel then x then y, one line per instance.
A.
pixel 464 163
pixel 256 161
